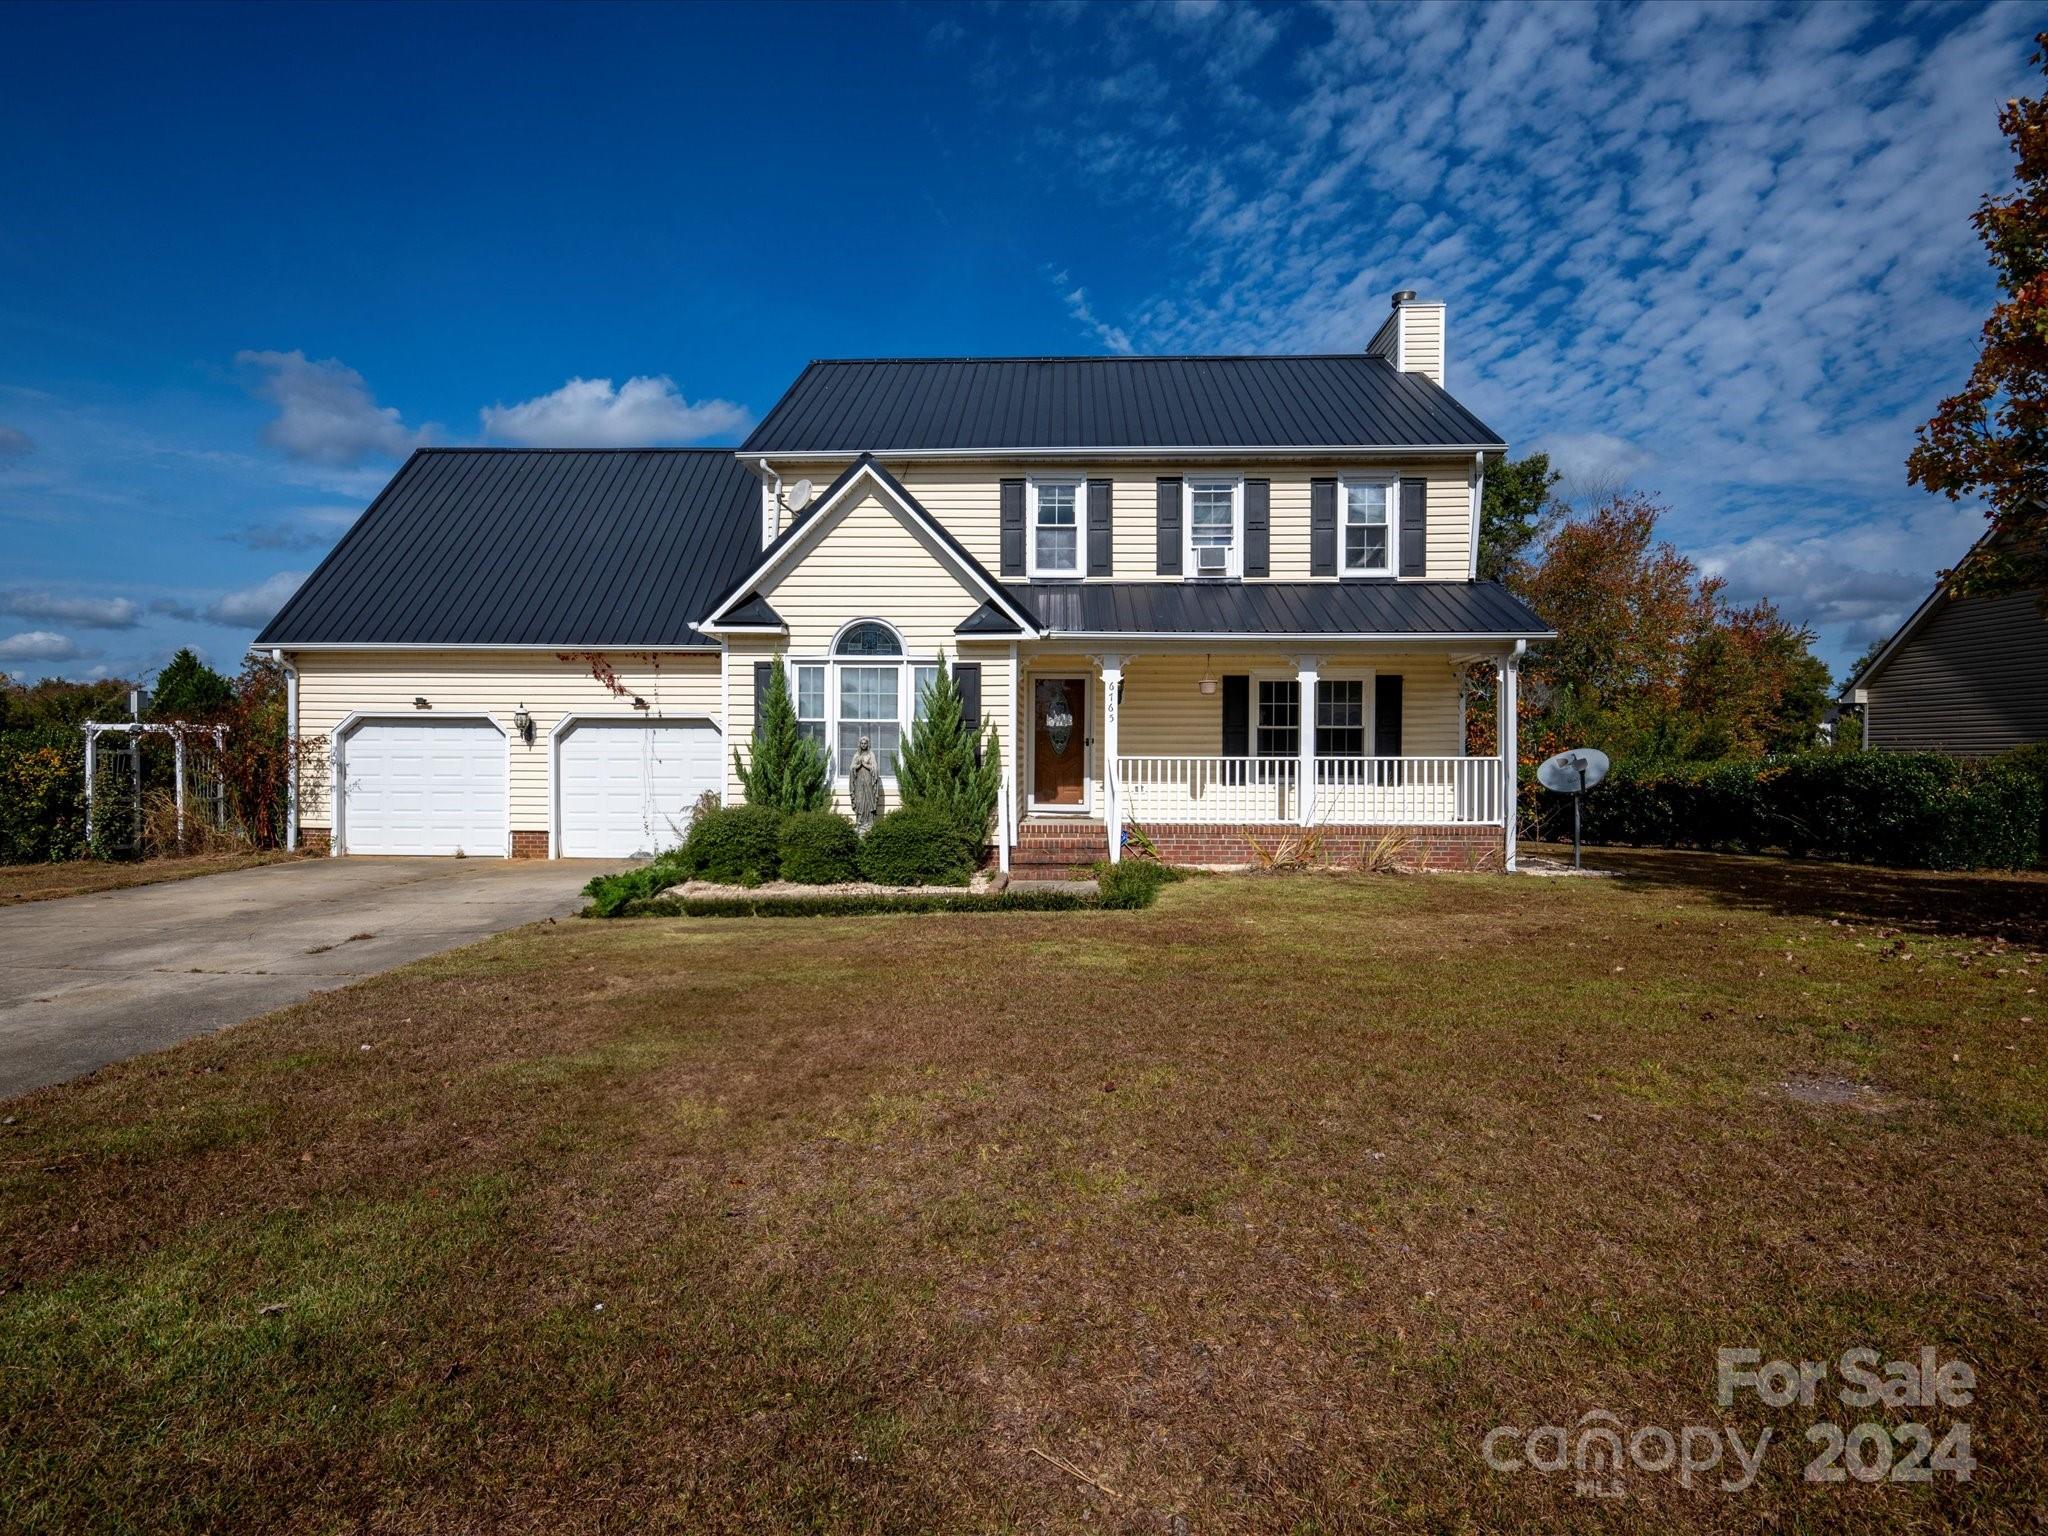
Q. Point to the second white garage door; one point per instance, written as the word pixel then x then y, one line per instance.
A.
pixel 424 786
pixel 627 788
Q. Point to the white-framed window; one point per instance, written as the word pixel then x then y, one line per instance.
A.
pixel 1366 524
pixel 1056 508
pixel 1277 731
pixel 810 700
pixel 1340 717
pixel 870 705
pixel 1212 517
pixel 868 685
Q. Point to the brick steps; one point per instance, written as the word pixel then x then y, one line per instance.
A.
pixel 1057 850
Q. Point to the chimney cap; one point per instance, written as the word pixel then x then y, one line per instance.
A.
pixel 1403 296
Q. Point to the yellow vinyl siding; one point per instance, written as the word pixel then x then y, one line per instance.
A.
pixel 870 562
pixel 1166 714
pixel 336 684
pixel 965 500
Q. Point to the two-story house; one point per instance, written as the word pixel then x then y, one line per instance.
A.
pixel 1200 599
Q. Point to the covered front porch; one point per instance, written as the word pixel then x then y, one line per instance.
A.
pixel 1207 756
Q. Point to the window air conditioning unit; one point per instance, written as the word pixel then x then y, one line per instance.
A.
pixel 1212 560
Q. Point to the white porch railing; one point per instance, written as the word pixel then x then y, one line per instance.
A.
pixel 1232 791
pixel 1377 791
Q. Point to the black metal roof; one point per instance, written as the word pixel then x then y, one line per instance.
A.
pixel 909 405
pixel 545 547
pixel 1422 608
pixel 988 619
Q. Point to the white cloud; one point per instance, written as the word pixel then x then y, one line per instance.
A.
pixel 39 645
pixel 1113 337
pixel 326 413
pixel 589 413
pixel 299 528
pixel 14 444
pixel 1723 252
pixel 89 612
pixel 253 607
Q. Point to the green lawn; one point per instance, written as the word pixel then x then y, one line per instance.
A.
pixel 1259 1208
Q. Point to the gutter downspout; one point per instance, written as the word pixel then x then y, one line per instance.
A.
pixel 1478 499
pixel 291 750
pixel 767 473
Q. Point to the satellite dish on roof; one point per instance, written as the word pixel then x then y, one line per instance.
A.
pixel 800 495
pixel 1570 772
pixel 1573 773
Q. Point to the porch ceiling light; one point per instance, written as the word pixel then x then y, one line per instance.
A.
pixel 1208 682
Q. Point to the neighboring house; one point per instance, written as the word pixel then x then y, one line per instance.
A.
pixel 1967 675
pixel 1217 598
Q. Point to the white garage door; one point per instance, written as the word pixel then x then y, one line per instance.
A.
pixel 424 786
pixel 627 788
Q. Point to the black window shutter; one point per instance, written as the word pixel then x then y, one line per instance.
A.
pixel 762 671
pixel 1414 526
pixel 1012 519
pixel 1258 501
pixel 1099 527
pixel 1386 716
pixel 1322 527
pixel 1237 716
pixel 1168 563
pixel 967 678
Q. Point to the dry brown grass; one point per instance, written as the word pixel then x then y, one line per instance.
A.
pixel 1258 1208
pixel 82 877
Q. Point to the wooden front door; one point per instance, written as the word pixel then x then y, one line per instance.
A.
pixel 1059 741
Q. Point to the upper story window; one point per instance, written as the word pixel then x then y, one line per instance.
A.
pixel 1368 531
pixel 1215 525
pixel 1055 507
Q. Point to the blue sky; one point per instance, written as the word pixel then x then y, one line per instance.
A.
pixel 250 256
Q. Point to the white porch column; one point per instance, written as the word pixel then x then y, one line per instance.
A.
pixel 1305 769
pixel 1006 820
pixel 1112 708
pixel 1507 733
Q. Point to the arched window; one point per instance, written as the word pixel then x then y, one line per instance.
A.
pixel 869 638
pixel 872 690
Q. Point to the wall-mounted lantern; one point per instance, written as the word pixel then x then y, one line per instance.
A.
pixel 522 722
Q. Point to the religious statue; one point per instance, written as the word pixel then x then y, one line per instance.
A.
pixel 864 785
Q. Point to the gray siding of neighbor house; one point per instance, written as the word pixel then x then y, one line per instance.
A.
pixel 1972 681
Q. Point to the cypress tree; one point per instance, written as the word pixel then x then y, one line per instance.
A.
pixel 951 763
pixel 787 770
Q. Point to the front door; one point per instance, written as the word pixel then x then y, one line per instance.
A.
pixel 1059 740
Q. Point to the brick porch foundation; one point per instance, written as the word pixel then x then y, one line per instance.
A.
pixel 529 845
pixel 315 839
pixel 1442 848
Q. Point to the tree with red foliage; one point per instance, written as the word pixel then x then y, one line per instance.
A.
pixel 1651 661
pixel 1991 439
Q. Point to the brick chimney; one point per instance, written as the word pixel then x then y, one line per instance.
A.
pixel 1412 336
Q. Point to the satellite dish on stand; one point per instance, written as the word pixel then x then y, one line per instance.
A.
pixel 1573 773
pixel 800 495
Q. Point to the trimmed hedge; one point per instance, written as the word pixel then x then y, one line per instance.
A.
pixel 1915 810
pixel 820 848
pixel 859 905
pixel 609 894
pixel 916 845
pixel 733 845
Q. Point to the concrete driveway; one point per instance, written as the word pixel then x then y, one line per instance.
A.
pixel 85 980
